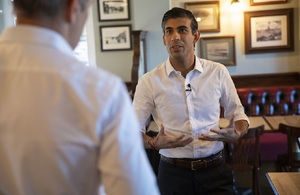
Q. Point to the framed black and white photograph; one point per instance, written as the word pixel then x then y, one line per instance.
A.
pixel 219 49
pixel 109 10
pixel 269 31
pixel 115 38
pixel 207 15
pixel 266 2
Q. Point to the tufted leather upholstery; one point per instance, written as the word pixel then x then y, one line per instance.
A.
pixel 269 101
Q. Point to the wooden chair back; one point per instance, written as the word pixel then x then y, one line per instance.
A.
pixel 244 155
pixel 291 160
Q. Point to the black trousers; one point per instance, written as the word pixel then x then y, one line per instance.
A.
pixel 173 180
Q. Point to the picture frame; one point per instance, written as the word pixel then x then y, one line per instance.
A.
pixel 266 2
pixel 269 31
pixel 219 49
pixel 110 10
pixel 115 38
pixel 207 15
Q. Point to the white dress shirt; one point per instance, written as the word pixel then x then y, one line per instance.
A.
pixel 65 128
pixel 190 105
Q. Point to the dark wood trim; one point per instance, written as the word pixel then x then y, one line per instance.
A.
pixel 267 80
pixel 138 37
pixel 128 85
pixel 261 80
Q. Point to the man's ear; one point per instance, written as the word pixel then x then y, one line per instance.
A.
pixel 196 36
pixel 72 8
pixel 164 40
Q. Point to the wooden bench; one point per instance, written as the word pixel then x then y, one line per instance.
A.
pixel 271 101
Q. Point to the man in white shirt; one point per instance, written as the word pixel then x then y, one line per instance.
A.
pixel 65 128
pixel 184 95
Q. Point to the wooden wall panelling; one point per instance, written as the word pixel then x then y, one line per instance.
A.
pixel 139 47
pixel 267 80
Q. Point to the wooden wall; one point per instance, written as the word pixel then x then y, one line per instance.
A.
pixel 267 80
pixel 261 80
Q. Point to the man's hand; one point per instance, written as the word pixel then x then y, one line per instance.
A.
pixel 233 132
pixel 226 135
pixel 162 140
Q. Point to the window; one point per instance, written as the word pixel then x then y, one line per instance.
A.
pixel 81 51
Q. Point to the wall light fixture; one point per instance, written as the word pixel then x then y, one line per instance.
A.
pixel 234 1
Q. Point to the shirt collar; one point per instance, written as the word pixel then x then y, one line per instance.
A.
pixel 170 68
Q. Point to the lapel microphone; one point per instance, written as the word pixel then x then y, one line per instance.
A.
pixel 188 87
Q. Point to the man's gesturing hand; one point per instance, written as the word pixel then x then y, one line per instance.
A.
pixel 226 134
pixel 162 140
pixel 229 134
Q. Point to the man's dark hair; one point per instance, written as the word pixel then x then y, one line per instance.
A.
pixel 178 12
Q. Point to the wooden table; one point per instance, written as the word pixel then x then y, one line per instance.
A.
pixel 284 183
pixel 271 122
pixel 255 121
pixel 274 121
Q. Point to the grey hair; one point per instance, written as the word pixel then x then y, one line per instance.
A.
pixel 48 8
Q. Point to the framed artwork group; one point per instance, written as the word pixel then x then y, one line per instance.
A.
pixel 265 30
pixel 219 49
pixel 114 37
pixel 207 15
pixel 266 2
pixel 269 31
pixel 109 10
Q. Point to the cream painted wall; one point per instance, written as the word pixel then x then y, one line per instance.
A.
pixel 118 62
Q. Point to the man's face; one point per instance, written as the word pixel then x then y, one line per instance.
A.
pixel 178 38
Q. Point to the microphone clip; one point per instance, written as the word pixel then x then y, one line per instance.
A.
pixel 188 87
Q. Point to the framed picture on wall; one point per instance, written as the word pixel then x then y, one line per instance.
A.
pixel 266 2
pixel 207 15
pixel 219 49
pixel 115 38
pixel 109 10
pixel 269 31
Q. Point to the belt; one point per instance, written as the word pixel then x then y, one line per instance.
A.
pixel 209 162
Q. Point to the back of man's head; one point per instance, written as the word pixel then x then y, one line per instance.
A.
pixel 42 8
pixel 66 17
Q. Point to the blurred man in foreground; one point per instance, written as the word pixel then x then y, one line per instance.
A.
pixel 64 128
